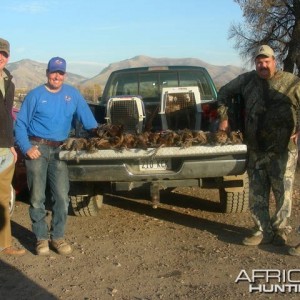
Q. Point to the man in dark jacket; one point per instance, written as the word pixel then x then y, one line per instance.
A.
pixel 8 155
pixel 272 102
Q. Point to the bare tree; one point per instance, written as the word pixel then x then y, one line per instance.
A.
pixel 272 22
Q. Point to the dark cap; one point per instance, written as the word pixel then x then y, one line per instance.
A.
pixel 56 64
pixel 4 46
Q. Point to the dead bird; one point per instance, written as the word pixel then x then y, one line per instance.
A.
pixel 141 141
pixel 217 138
pixel 153 138
pixel 79 144
pixel 115 130
pixel 101 130
pixel 103 143
pixel 75 144
pixel 116 142
pixel 236 137
pixel 185 138
pixel 91 146
pixel 199 138
pixel 109 130
pixel 128 141
pixel 166 138
pixel 68 144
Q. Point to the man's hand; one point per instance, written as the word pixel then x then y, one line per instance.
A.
pixel 295 137
pixel 33 152
pixel 223 125
pixel 14 152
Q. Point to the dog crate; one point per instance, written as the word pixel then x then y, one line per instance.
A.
pixel 127 111
pixel 180 108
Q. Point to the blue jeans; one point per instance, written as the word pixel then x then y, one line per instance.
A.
pixel 48 169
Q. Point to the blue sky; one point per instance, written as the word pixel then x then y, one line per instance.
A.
pixel 91 34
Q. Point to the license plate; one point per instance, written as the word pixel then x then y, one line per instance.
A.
pixel 155 164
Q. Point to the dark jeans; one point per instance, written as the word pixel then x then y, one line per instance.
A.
pixel 48 169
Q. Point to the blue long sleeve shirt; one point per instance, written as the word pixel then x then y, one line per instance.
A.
pixel 49 115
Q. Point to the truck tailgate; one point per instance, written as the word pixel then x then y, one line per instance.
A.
pixel 170 163
pixel 193 151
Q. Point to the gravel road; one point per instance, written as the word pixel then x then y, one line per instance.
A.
pixel 184 249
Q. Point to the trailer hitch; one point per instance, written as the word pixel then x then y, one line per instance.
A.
pixel 155 194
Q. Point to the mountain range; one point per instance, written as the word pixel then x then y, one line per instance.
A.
pixel 29 74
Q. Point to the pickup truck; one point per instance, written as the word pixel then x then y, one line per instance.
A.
pixel 162 99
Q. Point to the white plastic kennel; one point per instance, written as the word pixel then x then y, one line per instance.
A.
pixel 127 111
pixel 180 108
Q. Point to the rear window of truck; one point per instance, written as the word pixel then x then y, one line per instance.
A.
pixel 149 84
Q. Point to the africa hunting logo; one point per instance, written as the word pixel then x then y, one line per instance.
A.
pixel 271 280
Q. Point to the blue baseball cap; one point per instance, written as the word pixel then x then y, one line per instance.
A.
pixel 56 64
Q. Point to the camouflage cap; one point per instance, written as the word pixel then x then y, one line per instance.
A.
pixel 4 46
pixel 264 50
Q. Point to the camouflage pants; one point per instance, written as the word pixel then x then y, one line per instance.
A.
pixel 271 172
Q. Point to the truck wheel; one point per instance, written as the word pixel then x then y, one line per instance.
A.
pixel 12 200
pixel 86 206
pixel 235 202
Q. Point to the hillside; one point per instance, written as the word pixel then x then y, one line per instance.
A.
pixel 28 73
pixel 220 74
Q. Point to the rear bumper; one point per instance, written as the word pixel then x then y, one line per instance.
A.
pixel 188 169
pixel 186 163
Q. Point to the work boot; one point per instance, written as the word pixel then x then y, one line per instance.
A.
pixel 295 251
pixel 61 246
pixel 42 247
pixel 258 238
pixel 280 238
pixel 13 251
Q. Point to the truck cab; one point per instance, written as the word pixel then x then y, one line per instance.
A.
pixel 148 82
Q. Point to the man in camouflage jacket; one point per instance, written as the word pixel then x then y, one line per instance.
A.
pixel 271 103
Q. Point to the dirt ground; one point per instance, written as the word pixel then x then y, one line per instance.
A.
pixel 185 249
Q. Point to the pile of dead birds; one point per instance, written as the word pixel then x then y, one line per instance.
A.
pixel 114 137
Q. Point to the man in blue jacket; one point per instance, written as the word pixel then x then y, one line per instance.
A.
pixel 43 123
